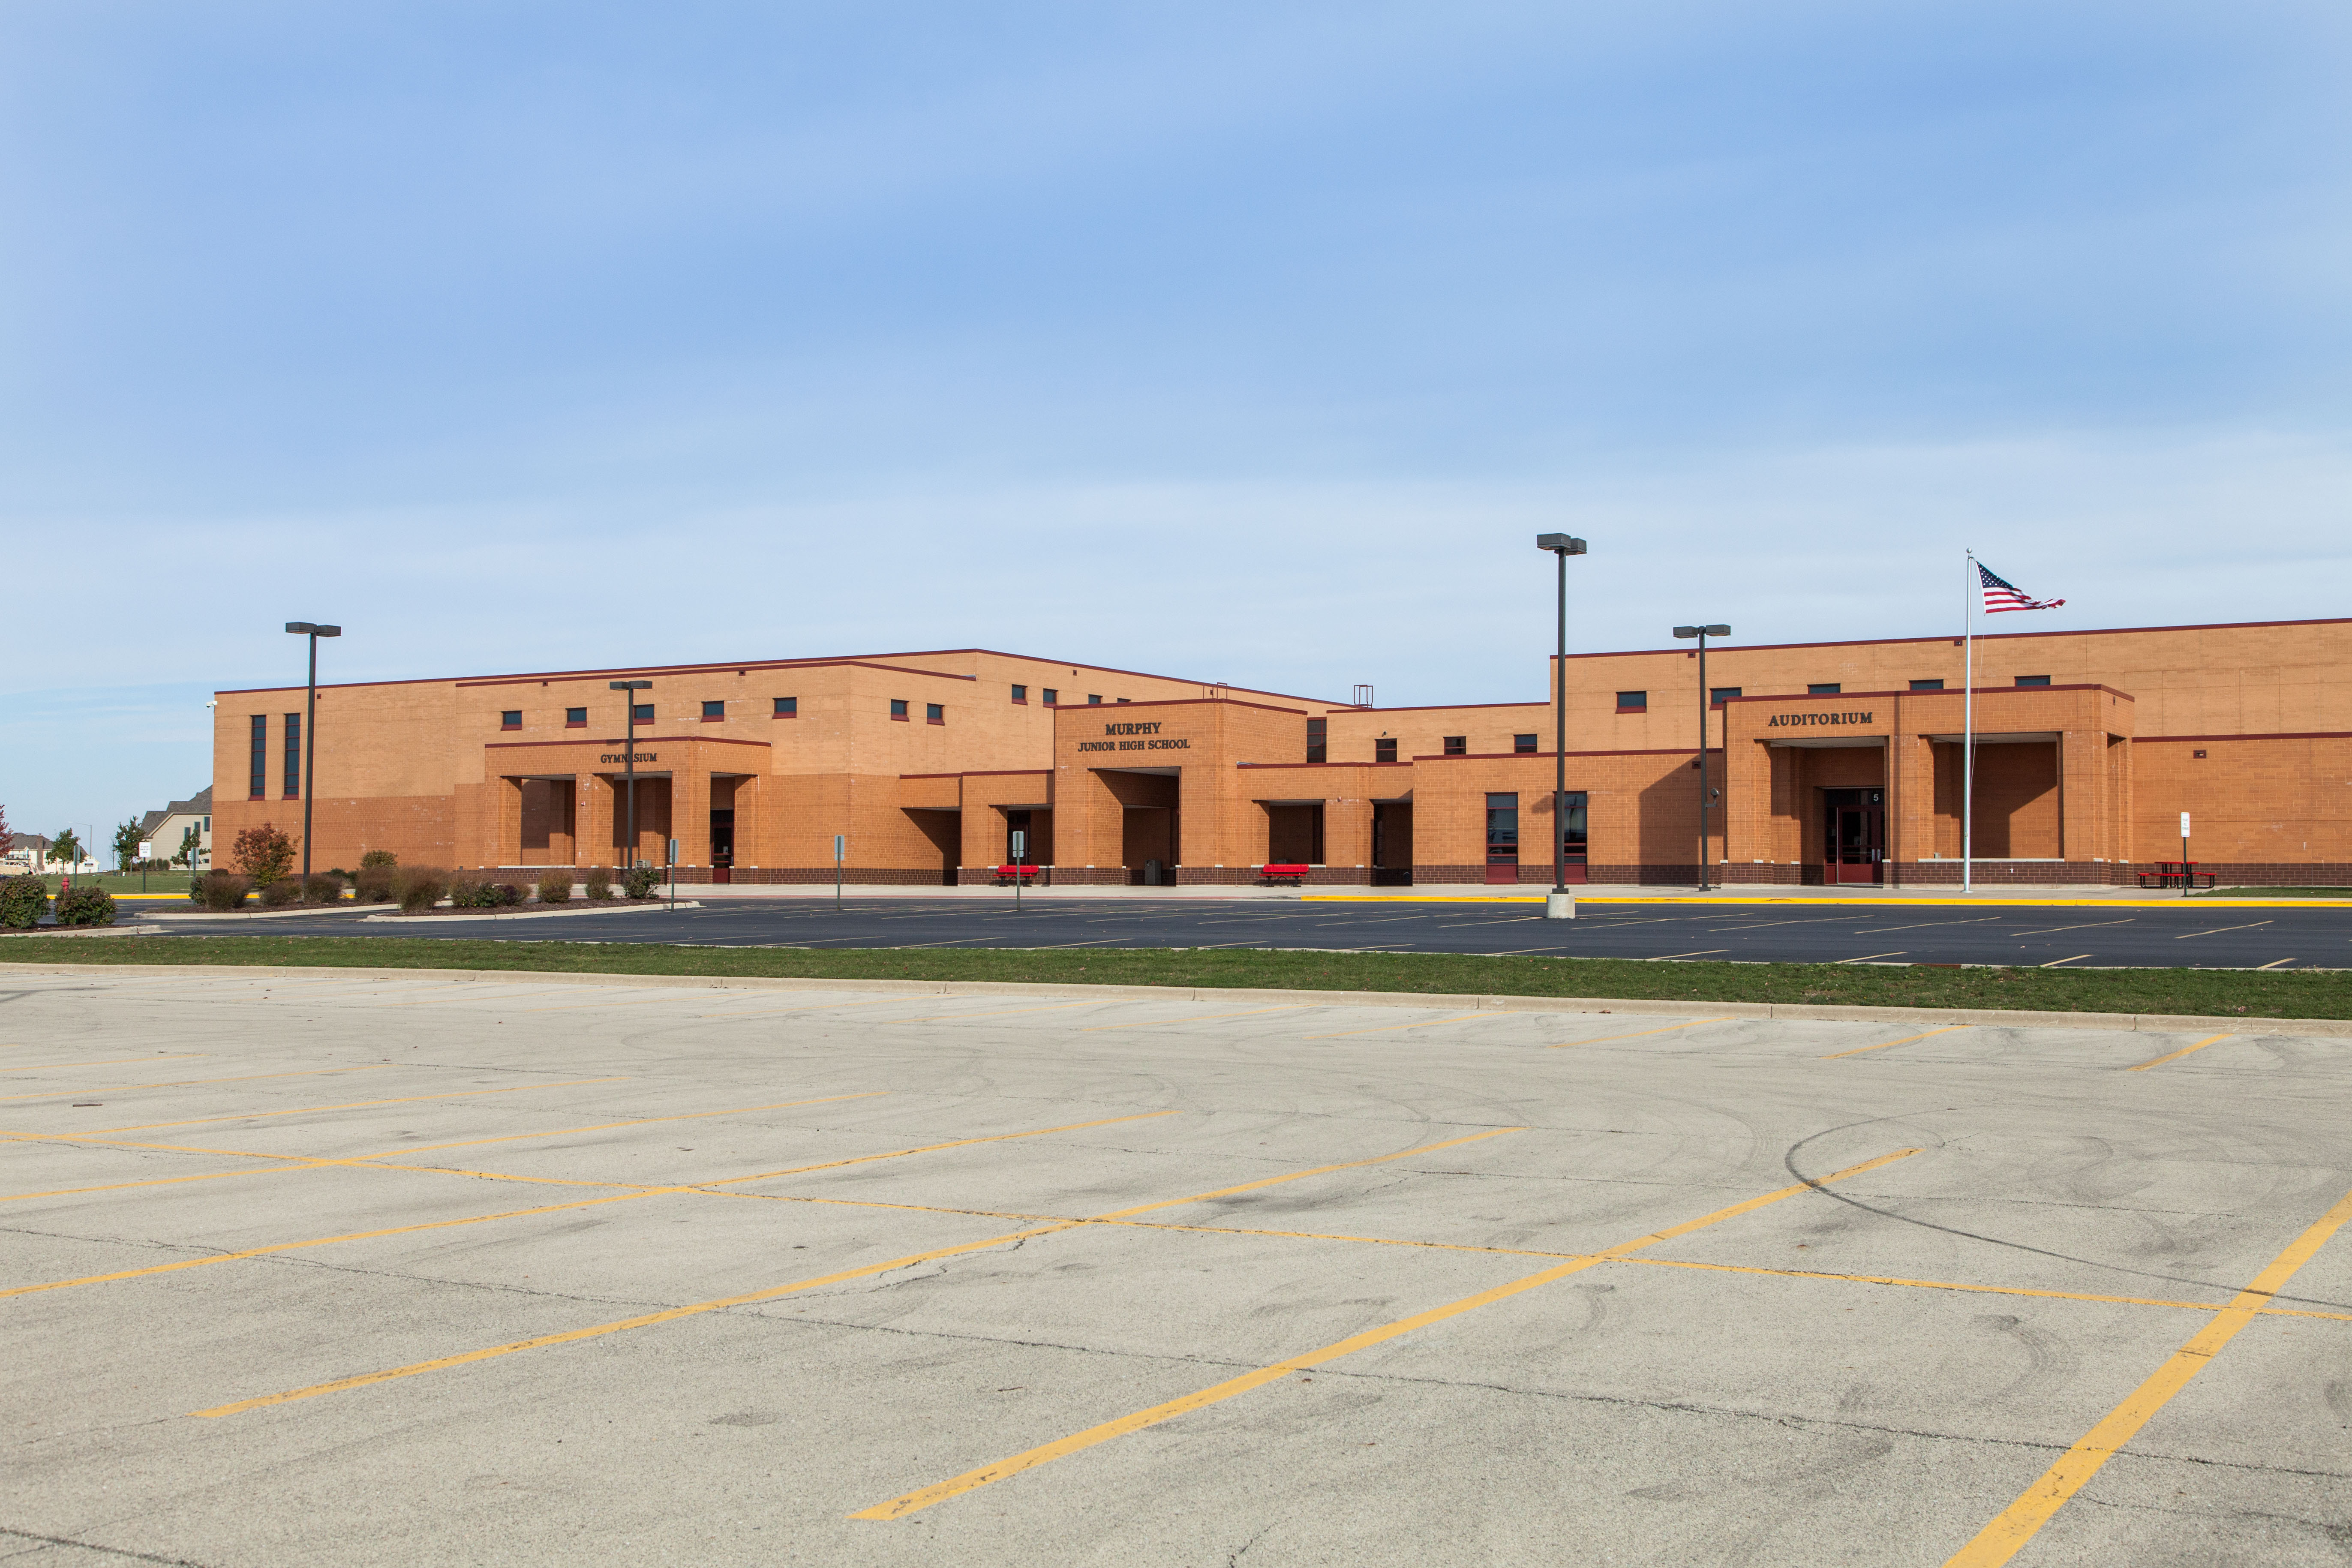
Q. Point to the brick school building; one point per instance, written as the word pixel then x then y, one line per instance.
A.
pixel 1828 763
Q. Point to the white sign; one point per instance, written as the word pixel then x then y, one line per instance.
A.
pixel 673 852
pixel 2184 824
pixel 146 849
pixel 840 846
pixel 1020 843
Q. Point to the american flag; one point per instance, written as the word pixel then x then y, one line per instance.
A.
pixel 2001 596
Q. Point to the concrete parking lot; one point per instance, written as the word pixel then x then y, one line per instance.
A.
pixel 332 1271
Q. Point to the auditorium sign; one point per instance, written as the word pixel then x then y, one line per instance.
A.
pixel 1149 739
pixel 623 756
pixel 1793 721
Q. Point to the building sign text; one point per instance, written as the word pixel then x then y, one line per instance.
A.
pixel 1784 721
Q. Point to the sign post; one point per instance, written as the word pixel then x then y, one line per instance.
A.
pixel 673 876
pixel 1020 853
pixel 2188 878
pixel 146 853
pixel 840 853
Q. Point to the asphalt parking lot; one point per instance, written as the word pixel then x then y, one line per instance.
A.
pixel 340 1272
pixel 2193 934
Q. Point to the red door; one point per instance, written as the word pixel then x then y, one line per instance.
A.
pixel 1854 836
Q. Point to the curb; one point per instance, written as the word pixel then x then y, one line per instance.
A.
pixel 636 908
pixel 1982 1017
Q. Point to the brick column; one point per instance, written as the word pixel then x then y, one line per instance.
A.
pixel 689 816
pixel 594 805
pixel 1348 834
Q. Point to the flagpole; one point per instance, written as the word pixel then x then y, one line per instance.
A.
pixel 1968 730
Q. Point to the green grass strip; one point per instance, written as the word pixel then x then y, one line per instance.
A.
pixel 2222 994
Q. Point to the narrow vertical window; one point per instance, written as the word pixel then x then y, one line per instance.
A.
pixel 1319 740
pixel 293 756
pixel 1574 840
pixel 260 785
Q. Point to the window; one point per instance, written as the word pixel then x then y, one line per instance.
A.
pixel 293 756
pixel 1573 837
pixel 643 712
pixel 933 713
pixel 1456 745
pixel 1319 740
pixel 575 717
pixel 260 786
pixel 1502 830
pixel 713 712
pixel 1020 694
pixel 1719 695
pixel 510 719
pixel 1385 749
pixel 1095 700
pixel 1052 698
pixel 1632 702
pixel 787 708
pixel 1523 745
pixel 1122 699
pixel 898 708
pixel 1926 686
pixel 2034 680
pixel 1824 689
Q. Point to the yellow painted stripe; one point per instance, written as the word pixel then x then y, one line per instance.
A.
pixel 924 1497
pixel 1662 1029
pixel 193 1082
pixel 307 1110
pixel 1883 1044
pixel 2016 1524
pixel 2183 1051
pixel 1209 1018
pixel 1391 1028
pixel 672 1315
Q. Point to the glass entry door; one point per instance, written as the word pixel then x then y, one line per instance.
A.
pixel 1854 834
pixel 1501 838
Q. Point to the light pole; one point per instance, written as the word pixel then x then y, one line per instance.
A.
pixel 1561 904
pixel 310 734
pixel 629 690
pixel 1706 701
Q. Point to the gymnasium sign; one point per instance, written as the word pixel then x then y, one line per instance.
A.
pixel 1796 720
pixel 1146 737
pixel 623 756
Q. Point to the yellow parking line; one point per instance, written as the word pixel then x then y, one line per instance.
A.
pixel 2185 1050
pixel 1662 1029
pixel 1883 1044
pixel 113 1062
pixel 672 1315
pixel 1213 1018
pixel 2015 1525
pixel 923 1497
pixel 192 1082
pixel 1391 1028
pixel 1983 1289
pixel 306 1109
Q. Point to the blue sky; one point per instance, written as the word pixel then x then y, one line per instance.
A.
pixel 1246 342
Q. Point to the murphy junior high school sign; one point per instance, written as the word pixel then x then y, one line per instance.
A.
pixel 1151 740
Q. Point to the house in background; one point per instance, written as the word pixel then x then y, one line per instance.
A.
pixel 168 828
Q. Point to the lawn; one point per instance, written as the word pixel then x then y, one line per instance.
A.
pixel 2221 993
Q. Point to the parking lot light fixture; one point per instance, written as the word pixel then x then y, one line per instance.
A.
pixel 1706 701
pixel 310 733
pixel 1560 904
pixel 629 690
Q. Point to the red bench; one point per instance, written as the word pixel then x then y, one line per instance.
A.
pixel 2174 874
pixel 1294 875
pixel 1023 874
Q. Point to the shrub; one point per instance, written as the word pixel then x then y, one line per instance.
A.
pixel 419 887
pixel 555 886
pixel 596 881
pixel 281 894
pixel 639 881
pixel 373 884
pixel 264 854
pixel 325 887
pixel 22 900
pixel 378 857
pixel 465 889
pixel 221 891
pixel 86 906
pixel 500 894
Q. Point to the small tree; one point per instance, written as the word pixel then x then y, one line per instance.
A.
pixel 66 846
pixel 264 854
pixel 190 843
pixel 126 844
